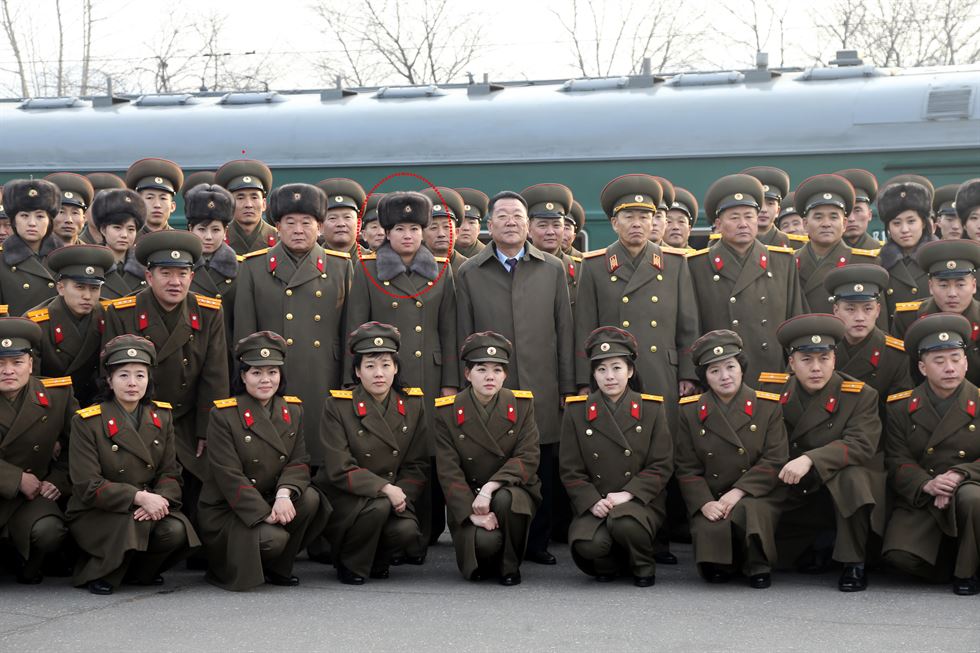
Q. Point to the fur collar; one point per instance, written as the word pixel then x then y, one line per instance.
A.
pixel 16 251
pixel 390 264
pixel 223 261
pixel 892 253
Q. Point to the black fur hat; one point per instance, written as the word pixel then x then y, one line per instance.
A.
pixel 116 205
pixel 31 195
pixel 395 208
pixel 904 196
pixel 207 202
pixel 297 198
pixel 967 198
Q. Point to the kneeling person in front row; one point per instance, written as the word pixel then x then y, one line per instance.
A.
pixel 616 456
pixel 257 507
pixel 932 451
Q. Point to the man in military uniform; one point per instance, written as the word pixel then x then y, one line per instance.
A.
pixel 5 228
pixel 372 235
pixel 865 191
pixel 468 235
pixel 660 215
pixel 944 209
pixel 439 232
pixel 35 419
pixel 832 496
pixel 824 201
pixel 791 223
pixel 574 223
pixel 739 283
pixel 952 266
pixel 73 322
pixel 299 290
pixel 76 196
pixel 516 290
pixel 345 197
pixel 775 185
pixel 25 282
pixel 933 458
pixel 681 216
pixel 100 181
pixel 157 181
pixel 189 335
pixel 548 205
pixel 119 214
pixel 249 181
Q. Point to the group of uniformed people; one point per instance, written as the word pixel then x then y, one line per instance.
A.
pixel 797 399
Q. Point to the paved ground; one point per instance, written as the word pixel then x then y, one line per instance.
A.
pixel 556 608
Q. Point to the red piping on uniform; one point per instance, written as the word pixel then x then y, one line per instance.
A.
pixel 454 485
pixel 413 481
pixel 298 465
pixel 350 484
pixel 575 483
pixel 102 487
pixel 238 494
pixel 690 479
pixel 649 474
pixel 765 470
pixel 520 463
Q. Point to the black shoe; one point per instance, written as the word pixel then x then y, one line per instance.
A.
pixel 100 587
pixel 644 581
pixel 815 562
pixel 29 578
pixel 348 577
pixel 714 574
pixel 605 578
pixel 542 557
pixel 197 563
pixel 156 580
pixel 852 579
pixel 283 581
pixel 760 581
pixel 509 580
pixel 380 572
pixel 415 560
pixel 397 561
pixel 665 558
pixel 966 586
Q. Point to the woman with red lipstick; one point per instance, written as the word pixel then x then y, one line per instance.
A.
pixel 904 206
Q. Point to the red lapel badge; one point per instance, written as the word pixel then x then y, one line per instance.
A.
pixel 360 409
pixel 101 326
pixel 748 407
pixel 842 261
pixel 658 262
pixel 718 263
pixel 195 322
pixel 764 261
pixel 703 412
pixel 155 418
pixel 831 405
pixel 271 240
pixel 273 263
pixel 613 263
pixel 113 429
pixel 571 270
pixel 319 264
pixel 975 333
pixel 875 357
pixel 58 335
pixel 784 398
pixel 460 417
pixel 635 410
pixel 247 416
pixel 592 412
pixel 914 404
pixel 511 414
pixel 401 407
pixel 42 399
pixel 797 263
pixel 227 242
pixel 971 408
pixel 143 321
pixel 285 415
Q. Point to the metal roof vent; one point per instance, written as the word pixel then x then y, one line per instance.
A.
pixel 706 79
pixel 847 58
pixel 52 103
pixel 601 84
pixel 266 97
pixel 175 100
pixel 847 72
pixel 949 102
pixel 407 92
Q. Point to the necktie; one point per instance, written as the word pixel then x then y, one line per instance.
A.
pixel 512 264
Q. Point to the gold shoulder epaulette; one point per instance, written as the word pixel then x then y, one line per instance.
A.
pixel 333 252
pixel 904 307
pixel 91 411
pixel 208 302
pixel 784 250
pixel 39 315
pixel 715 236
pixel 895 343
pixel 689 400
pixel 699 252
pixel 771 396
pixel 800 238
pixel 575 398
pixel 899 395
pixel 292 399
pixel 594 253
pixel 445 401
pixel 56 382
pixel 342 394
pixel 773 377
pixel 577 259
pixel 414 392
pixel 652 398
pixel 369 257
pixel 163 404
pixel 852 386
pixel 865 252
pixel 124 302
pixel 258 252
pixel 523 394
pixel 106 303
pixel 239 257
pixel 673 250
pixel 4 308
pixel 225 403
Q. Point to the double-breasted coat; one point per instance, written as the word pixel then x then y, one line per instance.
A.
pixel 907 281
pixel 814 269
pixel 530 308
pixel 34 436
pixel 880 361
pixel 70 347
pixel 254 451
pixel 471 452
pixel 303 301
pixel 111 459
pixel 263 236
pixel 720 447
pixel 909 312
pixel 25 281
pixel 608 449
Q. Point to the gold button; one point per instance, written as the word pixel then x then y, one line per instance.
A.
pixel 156 443
pixel 932 471
pixel 890 291
pixel 404 429
pixel 654 299
pixel 753 427
pixel 732 300
pixel 626 300
pixel 37 447
pixel 703 432
pixel 418 354
pixel 418 329
pixel 316 344
pixel 596 456
pixel 418 304
pixel 588 432
pixel 394 453
pixel 653 348
pixel 710 454
pixel 149 466
pixel 626 323
pixel 734 323
pixel 930 451
pixel 289 316
pixel 744 470
pixel 653 323
pixel 962 454
pixel 660 277
pixel 973 427
pixel 741 451
pixel 627 453
pixel 462 436
pixel 391 474
pixel 248 438
pixel 627 474
pixel 26 286
pixel 318 293
pixel 716 278
pixel 614 278
pixel 394 304
pixel 289 341
pixel 914 291
pixel 44 418
pixel 316 318
pixel 289 293
pixel 122 471
pixel 50 284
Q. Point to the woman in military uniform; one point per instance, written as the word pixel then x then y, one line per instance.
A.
pixel 209 210
pixel 25 282
pixel 616 456
pixel 119 214
pixel 729 448
pixel 375 465
pixel 487 455
pixel 258 509
pixel 124 512
pixel 904 208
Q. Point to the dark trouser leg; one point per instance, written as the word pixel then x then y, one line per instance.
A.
pixel 968 527
pixel 168 540
pixel 357 551
pixel 272 542
pixel 295 531
pixel 190 493
pixel 514 529
pixel 541 524
pixel 749 550
pixel 399 535
pixel 630 535
pixel 599 551
pixel 47 534
pixel 913 564
pixel 851 543
pixel 437 504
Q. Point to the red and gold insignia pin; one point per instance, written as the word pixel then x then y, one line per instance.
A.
pixel 286 416
pixel 195 322
pixel 658 262
pixel 971 408
pixel 271 240
pixel 749 408
pixel 273 263
pixel 613 263
pixel 703 412
pixel 831 404
pixel 143 321
pixel 784 398
pixel 875 358
pixel 247 416
pixel 571 270
pixel 101 326
pixel 511 413
pixel 319 264
pixel 764 261
pixel 401 407
pixel 111 426
pixel 842 261
pixel 592 412
pixel 361 409
pixel 42 399
pixel 718 263
pixel 460 417
pixel 914 405
pixel 155 418
pixel 797 264
pixel 59 335
pixel 635 410
pixel 975 333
